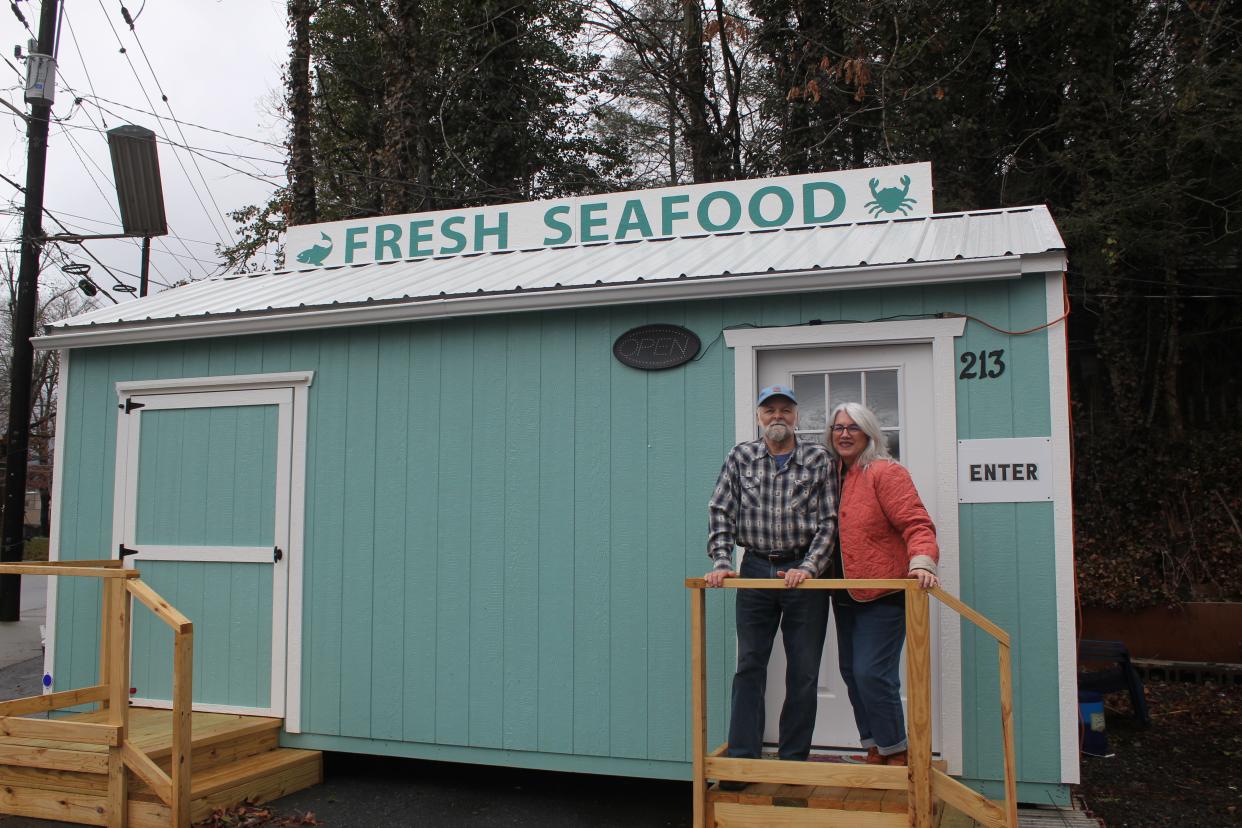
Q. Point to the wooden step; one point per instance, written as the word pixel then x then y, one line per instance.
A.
pixel 254 779
pixel 217 738
pixel 234 759
pixel 818 798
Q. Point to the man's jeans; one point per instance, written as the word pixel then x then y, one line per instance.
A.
pixel 869 639
pixel 802 615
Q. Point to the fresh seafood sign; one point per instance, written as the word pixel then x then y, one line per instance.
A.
pixel 845 197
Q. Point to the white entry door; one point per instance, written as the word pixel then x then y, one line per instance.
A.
pixel 203 510
pixel 894 381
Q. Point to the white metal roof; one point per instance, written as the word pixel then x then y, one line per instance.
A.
pixel 942 248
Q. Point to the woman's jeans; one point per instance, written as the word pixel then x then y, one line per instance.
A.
pixel 869 640
pixel 802 615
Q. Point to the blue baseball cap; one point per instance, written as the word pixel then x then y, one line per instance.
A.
pixel 776 391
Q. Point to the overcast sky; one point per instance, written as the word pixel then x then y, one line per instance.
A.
pixel 219 64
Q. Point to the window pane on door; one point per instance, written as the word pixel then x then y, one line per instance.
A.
pixel 843 387
pixel 882 396
pixel 809 389
pixel 894 443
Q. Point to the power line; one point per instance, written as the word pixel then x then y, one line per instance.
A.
pixel 180 131
pixel 22 19
pixel 142 87
pixel 64 212
pixel 185 123
pixel 89 81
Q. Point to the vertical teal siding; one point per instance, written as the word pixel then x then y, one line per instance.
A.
pixel 499 517
pixel 628 554
pixel 422 553
pixel 593 422
pixel 522 616
pixel 557 570
pixel 388 581
pixel 454 449
pixel 358 573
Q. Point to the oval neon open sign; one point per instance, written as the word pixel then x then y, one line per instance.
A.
pixel 656 347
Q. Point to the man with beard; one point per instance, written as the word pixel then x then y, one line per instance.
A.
pixel 776 500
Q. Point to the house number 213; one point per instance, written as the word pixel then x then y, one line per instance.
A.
pixel 976 365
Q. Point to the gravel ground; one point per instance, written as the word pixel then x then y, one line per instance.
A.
pixel 1185 771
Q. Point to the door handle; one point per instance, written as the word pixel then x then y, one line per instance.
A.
pixel 277 555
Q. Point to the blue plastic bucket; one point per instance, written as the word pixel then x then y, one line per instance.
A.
pixel 1091 723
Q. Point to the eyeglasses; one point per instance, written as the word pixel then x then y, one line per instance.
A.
pixel 842 429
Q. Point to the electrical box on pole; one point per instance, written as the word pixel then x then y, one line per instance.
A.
pixel 40 76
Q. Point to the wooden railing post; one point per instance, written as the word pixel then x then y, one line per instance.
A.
pixel 1011 769
pixel 183 667
pixel 918 730
pixel 105 637
pixel 698 695
pixel 117 631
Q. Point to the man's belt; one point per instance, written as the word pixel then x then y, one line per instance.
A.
pixel 778 555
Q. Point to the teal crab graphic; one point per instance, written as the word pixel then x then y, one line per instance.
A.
pixel 890 199
pixel 316 254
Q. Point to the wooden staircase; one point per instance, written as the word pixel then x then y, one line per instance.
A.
pixel 118 765
pixel 234 759
pixel 825 805
pixel 788 794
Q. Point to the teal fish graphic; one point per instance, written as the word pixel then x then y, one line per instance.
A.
pixel 315 255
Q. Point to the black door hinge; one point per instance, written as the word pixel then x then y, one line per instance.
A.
pixel 130 405
pixel 277 555
pixel 125 550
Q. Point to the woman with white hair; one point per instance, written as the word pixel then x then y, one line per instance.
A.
pixel 885 532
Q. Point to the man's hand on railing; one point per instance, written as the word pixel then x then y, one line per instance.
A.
pixel 716 577
pixel 793 577
pixel 926 579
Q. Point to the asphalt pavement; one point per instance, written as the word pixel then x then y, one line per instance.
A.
pixel 370 791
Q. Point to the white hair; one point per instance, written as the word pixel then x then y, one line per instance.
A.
pixel 877 444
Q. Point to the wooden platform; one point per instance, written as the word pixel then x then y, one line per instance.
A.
pixel 769 804
pixel 234 759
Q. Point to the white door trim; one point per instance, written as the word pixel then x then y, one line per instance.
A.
pixel 53 541
pixel 1063 527
pixel 286 684
pixel 940 333
pixel 239 382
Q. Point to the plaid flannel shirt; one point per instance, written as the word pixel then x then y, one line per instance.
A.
pixel 757 505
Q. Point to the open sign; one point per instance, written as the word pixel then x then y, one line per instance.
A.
pixel 656 347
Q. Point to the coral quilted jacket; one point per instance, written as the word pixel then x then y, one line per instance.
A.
pixel 885 529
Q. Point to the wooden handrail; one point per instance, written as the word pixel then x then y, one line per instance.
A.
pixel 70 568
pixel 919 778
pixel 810 583
pixel 54 701
pixel 173 787
pixel 163 610
pixel 971 615
pixel 112 692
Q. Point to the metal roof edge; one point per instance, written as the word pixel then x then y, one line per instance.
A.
pixel 1052 261
pixel 163 330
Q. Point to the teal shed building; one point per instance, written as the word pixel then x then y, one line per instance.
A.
pixel 416 506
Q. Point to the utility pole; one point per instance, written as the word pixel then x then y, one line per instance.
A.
pixel 41 82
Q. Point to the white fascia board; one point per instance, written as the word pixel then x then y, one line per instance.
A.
pixel 866 276
pixel 1051 262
